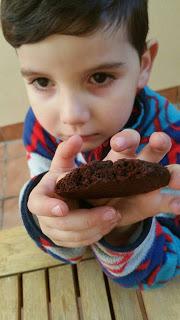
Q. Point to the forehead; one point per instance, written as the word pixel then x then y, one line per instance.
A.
pixel 78 51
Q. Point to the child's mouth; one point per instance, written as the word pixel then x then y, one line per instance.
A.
pixel 87 138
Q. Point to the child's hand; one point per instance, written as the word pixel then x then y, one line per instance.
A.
pixel 137 208
pixel 140 207
pixel 125 143
pixel 63 222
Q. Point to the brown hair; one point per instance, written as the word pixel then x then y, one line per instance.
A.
pixel 33 20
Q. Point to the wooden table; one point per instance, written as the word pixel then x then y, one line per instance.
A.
pixel 34 286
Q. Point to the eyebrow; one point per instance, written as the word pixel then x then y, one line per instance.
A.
pixel 109 65
pixel 28 73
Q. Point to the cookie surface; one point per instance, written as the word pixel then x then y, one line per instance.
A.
pixel 105 179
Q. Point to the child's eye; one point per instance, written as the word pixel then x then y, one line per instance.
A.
pixel 42 83
pixel 101 78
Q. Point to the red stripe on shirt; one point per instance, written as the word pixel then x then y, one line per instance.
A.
pixel 156 121
pixel 153 275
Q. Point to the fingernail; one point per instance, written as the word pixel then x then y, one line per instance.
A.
pixel 57 210
pixel 109 215
pixel 120 142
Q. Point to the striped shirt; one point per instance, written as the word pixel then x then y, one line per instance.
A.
pixel 151 256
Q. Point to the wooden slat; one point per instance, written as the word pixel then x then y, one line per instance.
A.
pixel 10 308
pixel 163 303
pixel 93 291
pixel 125 303
pixel 35 300
pixel 20 254
pixel 62 292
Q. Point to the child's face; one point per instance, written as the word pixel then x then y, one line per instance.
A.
pixel 82 85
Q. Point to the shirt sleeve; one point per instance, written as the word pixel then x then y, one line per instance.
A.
pixel 149 262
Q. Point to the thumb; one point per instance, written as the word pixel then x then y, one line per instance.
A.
pixel 64 158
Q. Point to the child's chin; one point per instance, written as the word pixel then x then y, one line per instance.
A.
pixel 88 146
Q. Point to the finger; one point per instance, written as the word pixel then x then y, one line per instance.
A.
pixel 159 144
pixel 149 205
pixel 46 206
pixel 43 201
pixel 124 144
pixel 77 239
pixel 139 208
pixel 81 219
pixel 73 244
pixel 65 154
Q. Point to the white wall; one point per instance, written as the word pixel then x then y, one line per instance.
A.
pixel 165 27
pixel 13 100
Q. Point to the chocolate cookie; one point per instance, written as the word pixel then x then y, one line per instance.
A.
pixel 105 179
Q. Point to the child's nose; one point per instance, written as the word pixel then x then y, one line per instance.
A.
pixel 74 112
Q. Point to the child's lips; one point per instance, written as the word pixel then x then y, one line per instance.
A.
pixel 90 137
pixel 85 138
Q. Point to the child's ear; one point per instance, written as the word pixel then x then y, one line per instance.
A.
pixel 147 60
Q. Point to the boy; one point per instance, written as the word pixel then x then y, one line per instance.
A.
pixel 86 65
